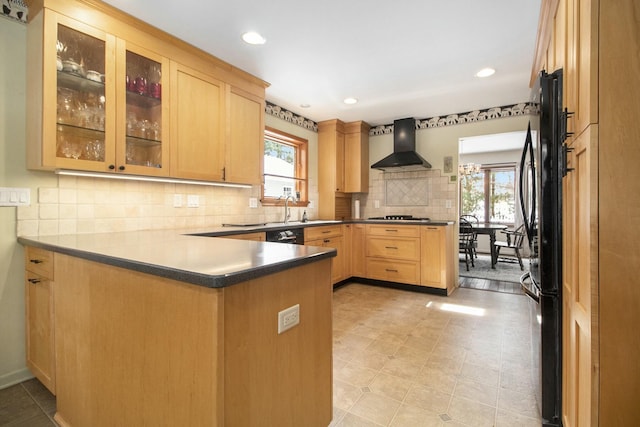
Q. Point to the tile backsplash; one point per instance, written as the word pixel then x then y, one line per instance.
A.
pixel 426 193
pixel 92 205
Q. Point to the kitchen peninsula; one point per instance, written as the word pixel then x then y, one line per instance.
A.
pixel 160 328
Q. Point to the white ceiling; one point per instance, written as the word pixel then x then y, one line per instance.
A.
pixel 402 58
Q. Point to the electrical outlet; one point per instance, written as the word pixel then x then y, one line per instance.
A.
pixel 177 200
pixel 376 204
pixel 448 204
pixel 253 202
pixel 288 318
pixel 193 201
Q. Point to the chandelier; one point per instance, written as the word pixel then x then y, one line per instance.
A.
pixel 469 169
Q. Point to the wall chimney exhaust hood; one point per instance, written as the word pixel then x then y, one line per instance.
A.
pixel 404 156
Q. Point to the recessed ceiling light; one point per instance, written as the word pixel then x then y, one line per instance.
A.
pixel 252 37
pixel 305 105
pixel 350 101
pixel 485 72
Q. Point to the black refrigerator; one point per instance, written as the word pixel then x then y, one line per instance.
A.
pixel 541 170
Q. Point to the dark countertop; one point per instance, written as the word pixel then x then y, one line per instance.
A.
pixel 221 231
pixel 186 256
pixel 210 262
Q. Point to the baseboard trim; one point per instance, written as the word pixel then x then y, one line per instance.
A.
pixel 15 377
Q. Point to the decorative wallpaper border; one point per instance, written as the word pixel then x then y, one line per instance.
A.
pixel 15 9
pixel 288 116
pixel 521 109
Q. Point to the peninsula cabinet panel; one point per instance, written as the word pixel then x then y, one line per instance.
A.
pixel 197 124
pixel 245 143
pixel 357 250
pixel 437 268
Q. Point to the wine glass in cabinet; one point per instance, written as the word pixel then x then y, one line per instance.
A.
pixel 141 146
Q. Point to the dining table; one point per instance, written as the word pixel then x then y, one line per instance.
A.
pixel 490 229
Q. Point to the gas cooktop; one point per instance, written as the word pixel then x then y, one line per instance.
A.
pixel 399 218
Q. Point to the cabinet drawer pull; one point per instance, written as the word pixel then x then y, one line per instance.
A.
pixel 36 261
pixel 391 247
pixel 327 240
pixel 390 270
pixel 326 232
pixel 395 231
pixel 432 228
pixel 34 281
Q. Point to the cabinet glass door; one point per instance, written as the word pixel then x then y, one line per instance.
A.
pixel 144 131
pixel 81 100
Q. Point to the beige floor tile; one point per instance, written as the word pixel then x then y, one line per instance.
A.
pixel 355 375
pixel 412 416
pixel 370 359
pixel 345 395
pixel 377 408
pixel 437 379
pixel 482 374
pixel 353 420
pixel 390 386
pixel 428 398
pixel 510 419
pixel 471 413
pixel 517 402
pixel 479 392
pixel 402 368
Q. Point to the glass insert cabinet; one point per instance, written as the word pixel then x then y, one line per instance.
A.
pixel 107 112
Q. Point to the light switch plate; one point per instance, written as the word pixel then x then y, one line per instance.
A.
pixel 15 196
pixel 177 200
pixel 253 202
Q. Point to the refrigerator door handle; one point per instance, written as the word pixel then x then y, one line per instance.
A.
pixel 526 287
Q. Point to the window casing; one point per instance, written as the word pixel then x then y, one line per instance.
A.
pixel 490 194
pixel 285 168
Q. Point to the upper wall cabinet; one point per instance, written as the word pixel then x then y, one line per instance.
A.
pixel 356 157
pixel 135 100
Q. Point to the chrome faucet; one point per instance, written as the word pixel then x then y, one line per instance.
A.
pixel 287 210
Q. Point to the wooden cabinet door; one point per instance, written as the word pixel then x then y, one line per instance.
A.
pixel 245 142
pixel 580 283
pixel 71 116
pixel 337 262
pixel 356 157
pixel 39 325
pixel 433 253
pixel 142 139
pixel 357 252
pixel 581 69
pixel 197 124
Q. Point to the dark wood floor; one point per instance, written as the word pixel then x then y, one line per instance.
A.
pixel 490 285
pixel 28 404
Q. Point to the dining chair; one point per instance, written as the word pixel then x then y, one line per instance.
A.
pixel 473 220
pixel 514 240
pixel 466 239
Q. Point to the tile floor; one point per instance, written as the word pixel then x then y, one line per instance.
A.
pixel 400 359
pixel 410 359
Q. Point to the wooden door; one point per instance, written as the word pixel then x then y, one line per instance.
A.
pixel 197 124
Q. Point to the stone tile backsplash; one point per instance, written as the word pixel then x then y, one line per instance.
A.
pixel 441 195
pixel 92 205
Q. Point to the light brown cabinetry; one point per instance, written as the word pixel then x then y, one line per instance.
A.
pixel 109 93
pixel 330 236
pixel 258 237
pixel 197 124
pixel 600 296
pixel 245 141
pixel 437 262
pixel 343 166
pixel 357 249
pixel 40 336
pixel 356 157
pixel 393 253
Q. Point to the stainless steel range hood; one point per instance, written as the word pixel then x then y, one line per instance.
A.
pixel 404 156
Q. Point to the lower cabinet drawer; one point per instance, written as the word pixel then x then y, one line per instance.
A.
pixel 394 271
